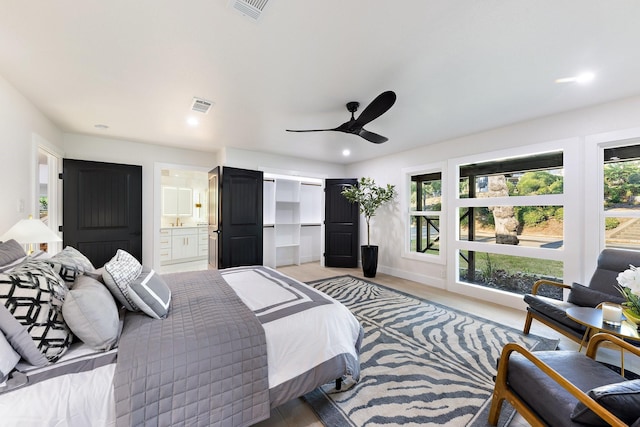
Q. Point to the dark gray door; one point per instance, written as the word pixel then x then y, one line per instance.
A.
pixel 240 222
pixel 214 216
pixel 341 225
pixel 102 209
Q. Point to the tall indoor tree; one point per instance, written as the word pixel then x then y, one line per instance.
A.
pixel 369 198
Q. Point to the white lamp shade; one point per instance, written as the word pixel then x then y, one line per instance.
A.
pixel 30 231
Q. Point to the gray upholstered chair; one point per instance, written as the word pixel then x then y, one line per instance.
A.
pixel 602 287
pixel 566 388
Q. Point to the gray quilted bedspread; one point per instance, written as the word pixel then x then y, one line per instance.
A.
pixel 204 365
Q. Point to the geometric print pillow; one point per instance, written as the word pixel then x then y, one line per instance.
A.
pixel 118 274
pixel 151 294
pixel 70 263
pixel 34 293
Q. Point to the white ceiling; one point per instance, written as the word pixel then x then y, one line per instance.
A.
pixel 457 67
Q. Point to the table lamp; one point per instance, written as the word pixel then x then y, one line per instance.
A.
pixel 30 231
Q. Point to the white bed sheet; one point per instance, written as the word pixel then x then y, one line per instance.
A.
pixel 289 355
pixel 72 400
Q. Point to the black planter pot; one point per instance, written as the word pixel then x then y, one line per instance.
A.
pixel 369 254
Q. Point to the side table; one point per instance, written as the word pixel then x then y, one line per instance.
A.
pixel 592 319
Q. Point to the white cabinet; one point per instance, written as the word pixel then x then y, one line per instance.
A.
pixel 177 201
pixel 165 246
pixel 203 242
pixel 292 221
pixel 182 244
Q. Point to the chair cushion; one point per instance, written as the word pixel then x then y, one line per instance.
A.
pixel 551 402
pixel 610 263
pixel 554 309
pixel 622 399
pixel 586 297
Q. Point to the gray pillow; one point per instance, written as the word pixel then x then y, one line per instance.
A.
pixel 20 339
pixel 70 263
pixel 10 251
pixel 151 294
pixel 91 313
pixel 622 399
pixel 118 274
pixel 8 358
pixel 587 297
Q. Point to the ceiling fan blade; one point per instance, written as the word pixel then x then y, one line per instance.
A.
pixel 377 107
pixel 372 137
pixel 308 130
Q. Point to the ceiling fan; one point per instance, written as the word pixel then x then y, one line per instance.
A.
pixel 375 109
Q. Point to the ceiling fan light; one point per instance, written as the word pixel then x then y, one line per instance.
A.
pixel 585 78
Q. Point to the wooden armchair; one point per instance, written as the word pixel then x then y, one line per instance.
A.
pixel 602 287
pixel 566 388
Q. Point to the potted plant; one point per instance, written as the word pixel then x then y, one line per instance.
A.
pixel 369 197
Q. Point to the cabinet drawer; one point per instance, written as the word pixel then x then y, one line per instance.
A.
pixel 165 255
pixel 165 233
pixel 165 243
pixel 203 239
pixel 184 231
pixel 203 250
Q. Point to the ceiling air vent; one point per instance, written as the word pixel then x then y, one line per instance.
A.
pixel 201 105
pixel 251 8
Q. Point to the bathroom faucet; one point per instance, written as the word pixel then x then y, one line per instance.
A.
pixel 178 221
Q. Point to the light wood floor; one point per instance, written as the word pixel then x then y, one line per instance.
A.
pixel 298 414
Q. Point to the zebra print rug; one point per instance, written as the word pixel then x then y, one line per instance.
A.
pixel 422 363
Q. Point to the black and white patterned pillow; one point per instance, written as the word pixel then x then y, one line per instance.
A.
pixel 33 293
pixel 118 274
pixel 70 263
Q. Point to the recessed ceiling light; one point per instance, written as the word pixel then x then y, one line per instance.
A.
pixel 346 152
pixel 101 126
pixel 192 121
pixel 580 78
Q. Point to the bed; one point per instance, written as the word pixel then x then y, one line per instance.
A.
pixel 232 344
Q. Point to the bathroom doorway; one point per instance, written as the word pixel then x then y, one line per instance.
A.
pixel 183 219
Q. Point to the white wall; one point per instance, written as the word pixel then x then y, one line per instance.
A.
pixel 388 227
pixel 154 157
pixel 83 147
pixel 20 126
pixel 286 165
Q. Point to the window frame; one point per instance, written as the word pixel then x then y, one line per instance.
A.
pixel 571 185
pixel 408 213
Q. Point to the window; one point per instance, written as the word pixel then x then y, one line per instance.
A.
pixel 510 224
pixel 423 200
pixel 424 216
pixel 621 190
